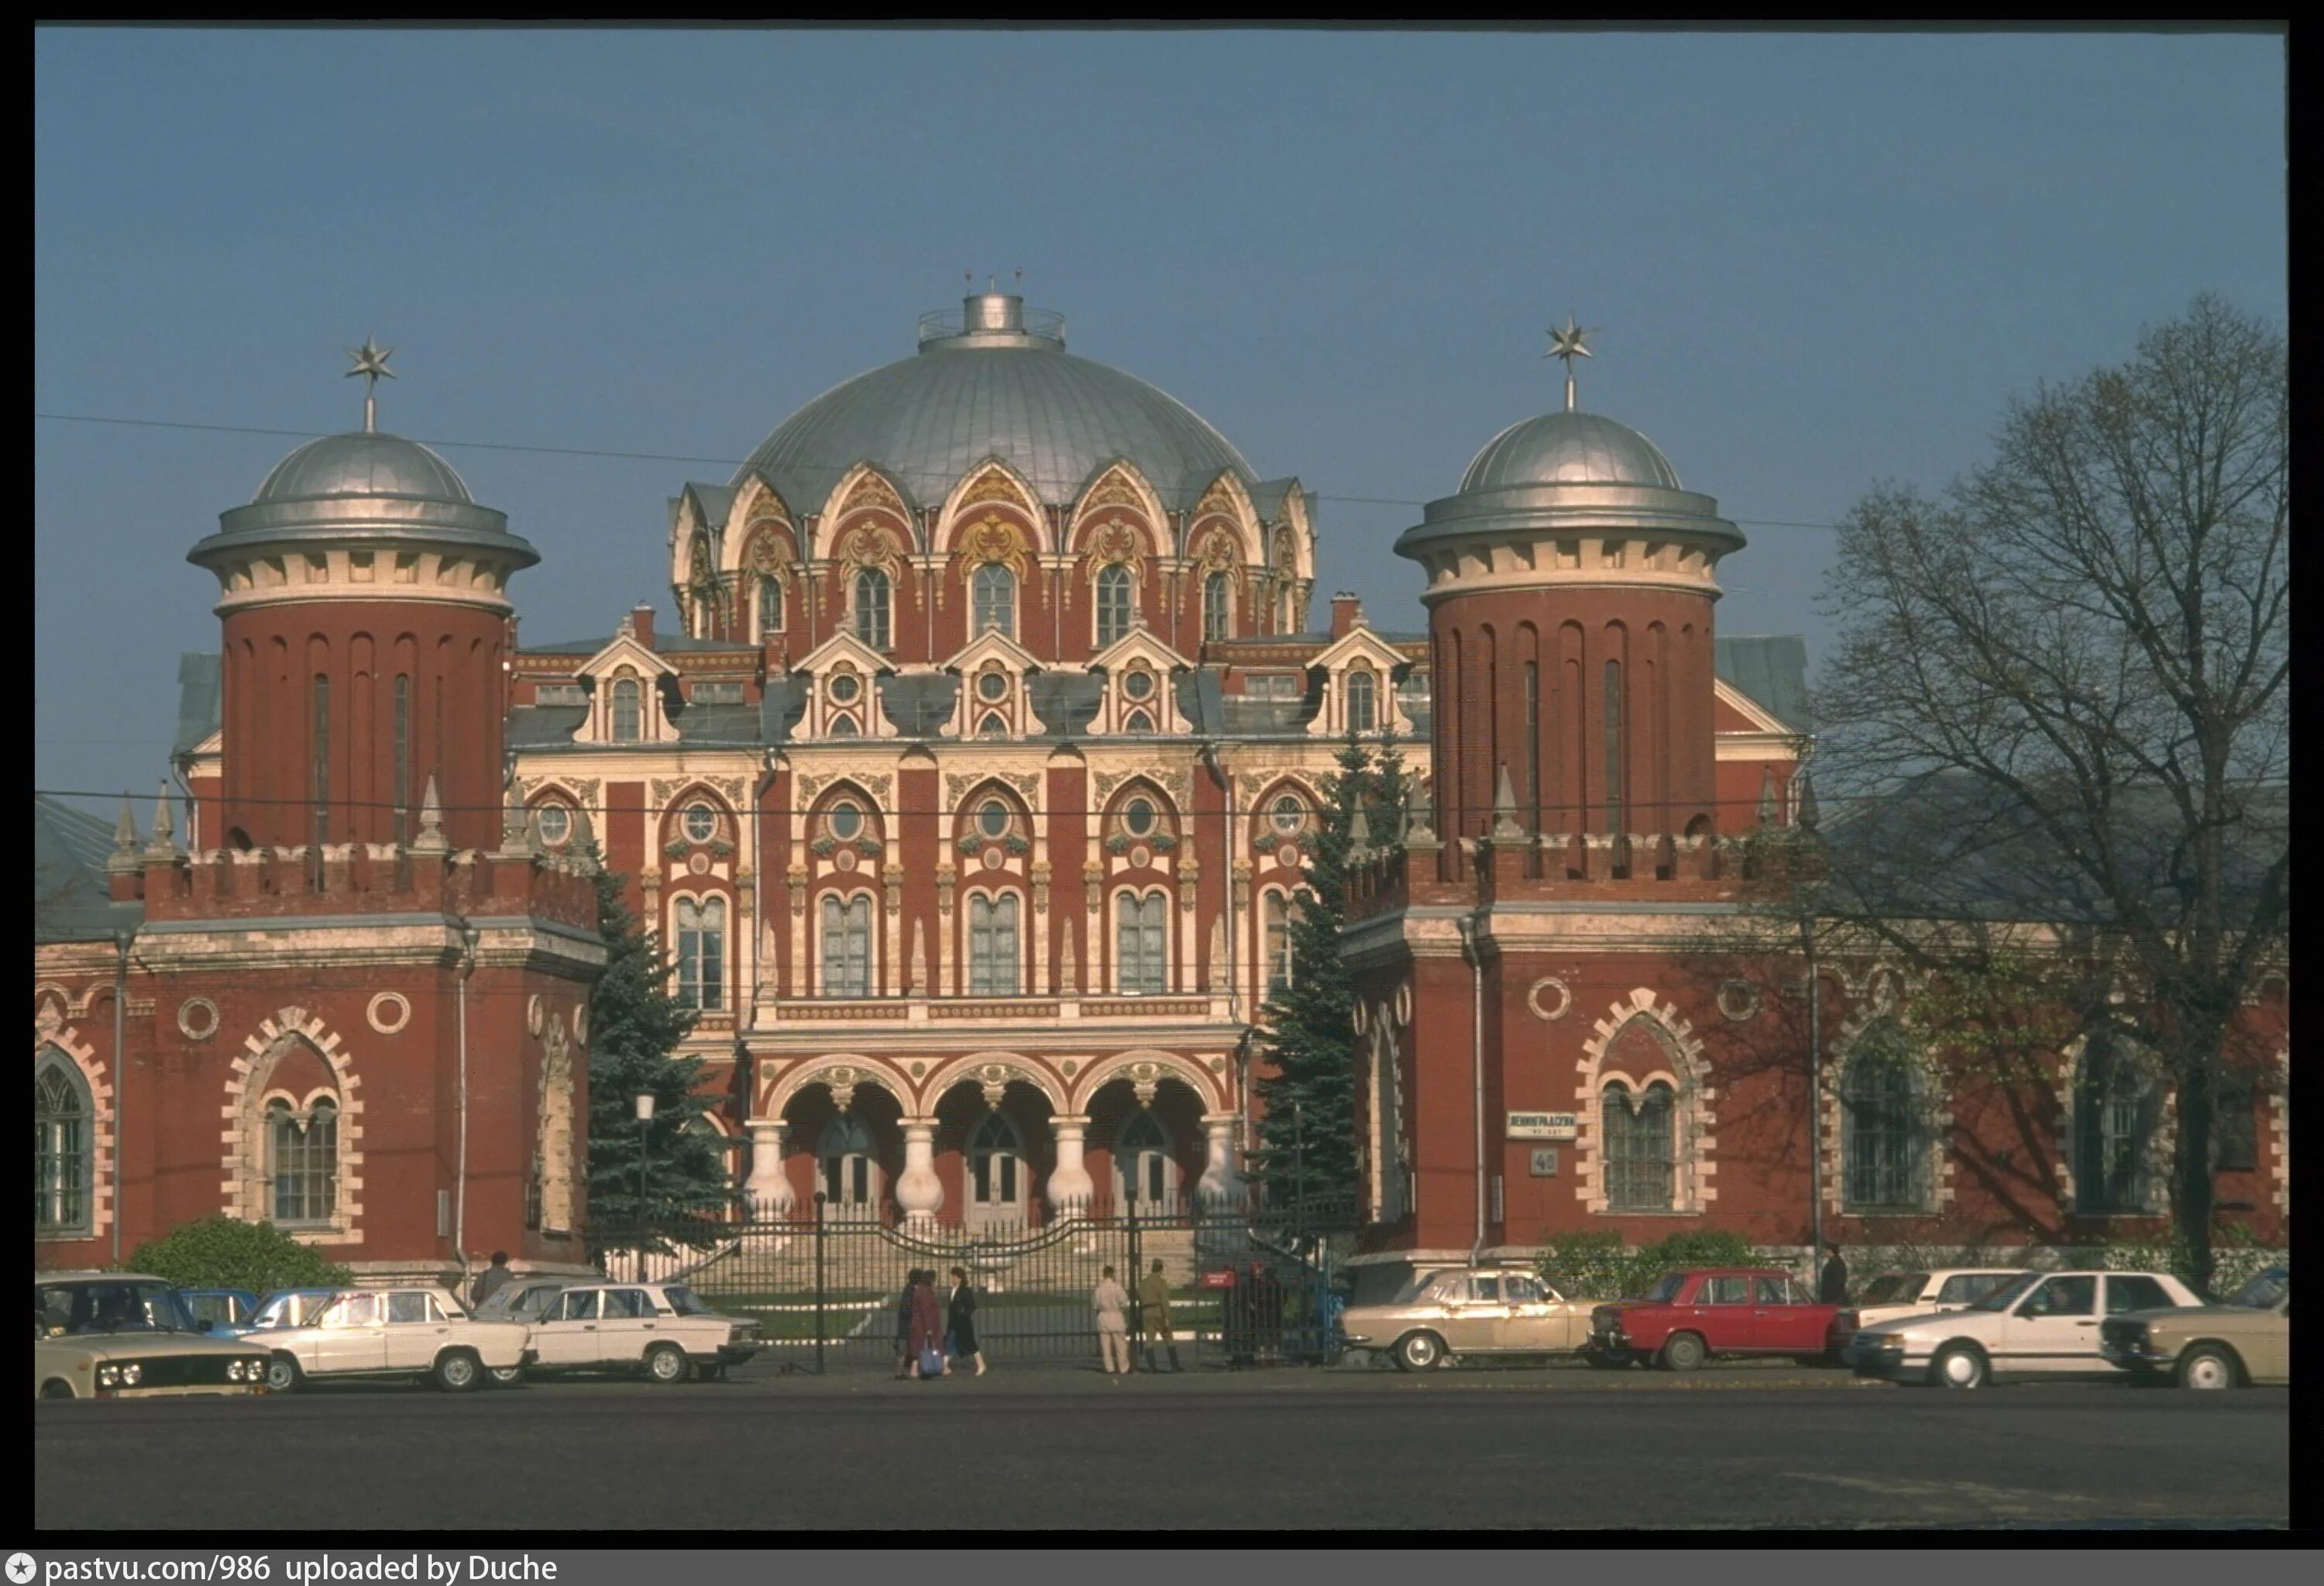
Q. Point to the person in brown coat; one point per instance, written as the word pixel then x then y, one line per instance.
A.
pixel 928 1321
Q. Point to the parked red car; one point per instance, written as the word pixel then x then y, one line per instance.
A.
pixel 1689 1316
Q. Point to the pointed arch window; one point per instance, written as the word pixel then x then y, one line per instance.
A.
pixel 1641 1158
pixel 1277 926
pixel 1143 1166
pixel 768 614
pixel 2117 1104
pixel 303 1162
pixel 701 952
pixel 996 1163
pixel 1218 606
pixel 629 710
pixel 847 946
pixel 992 947
pixel 872 604
pixel 1114 605
pixel 1139 967
pixel 851 1167
pixel 1614 746
pixel 62 1170
pixel 993 595
pixel 320 759
pixel 1884 1135
pixel 1363 695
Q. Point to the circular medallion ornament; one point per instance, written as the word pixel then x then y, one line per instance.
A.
pixel 390 1012
pixel 1288 856
pixel 1739 999
pixel 845 859
pixel 536 1017
pixel 992 860
pixel 1404 1004
pixel 1549 998
pixel 699 863
pixel 1142 856
pixel 197 1019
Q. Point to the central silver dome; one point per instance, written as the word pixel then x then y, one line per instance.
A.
pixel 363 465
pixel 1569 448
pixel 992 386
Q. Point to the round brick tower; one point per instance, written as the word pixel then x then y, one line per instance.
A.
pixel 1571 581
pixel 364 594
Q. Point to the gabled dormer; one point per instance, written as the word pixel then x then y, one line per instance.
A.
pixel 629 689
pixel 993 699
pixel 1359 669
pixel 843 690
pixel 1140 693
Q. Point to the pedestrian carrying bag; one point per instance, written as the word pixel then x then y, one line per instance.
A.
pixel 931 1363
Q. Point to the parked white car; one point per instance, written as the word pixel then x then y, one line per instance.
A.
pixel 394 1333
pixel 659 1330
pixel 1889 1295
pixel 2045 1324
pixel 523 1299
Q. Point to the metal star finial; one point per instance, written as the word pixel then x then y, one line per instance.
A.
pixel 1570 342
pixel 371 362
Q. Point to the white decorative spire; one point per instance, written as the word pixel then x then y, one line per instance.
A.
pixel 164 844
pixel 1568 342
pixel 371 362
pixel 431 822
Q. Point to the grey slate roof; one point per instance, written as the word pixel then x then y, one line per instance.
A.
pixel 199 709
pixel 1066 702
pixel 69 896
pixel 919 703
pixel 663 644
pixel 1772 669
pixel 715 500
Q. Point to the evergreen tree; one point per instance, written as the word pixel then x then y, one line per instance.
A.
pixel 635 1025
pixel 1306 1150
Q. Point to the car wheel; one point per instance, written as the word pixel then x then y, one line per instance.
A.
pixel 504 1376
pixel 1683 1351
pixel 666 1363
pixel 457 1372
pixel 1959 1367
pixel 1611 1359
pixel 283 1376
pixel 2208 1366
pixel 57 1390
pixel 1419 1351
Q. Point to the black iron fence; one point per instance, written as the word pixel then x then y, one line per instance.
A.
pixel 1239 1288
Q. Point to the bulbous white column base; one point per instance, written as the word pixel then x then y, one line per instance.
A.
pixel 768 1193
pixel 1221 1187
pixel 920 1192
pixel 1070 1189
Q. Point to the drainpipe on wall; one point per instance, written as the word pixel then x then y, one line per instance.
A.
pixel 1471 951
pixel 1815 1095
pixel 468 939
pixel 121 940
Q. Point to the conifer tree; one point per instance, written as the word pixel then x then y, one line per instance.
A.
pixel 635 1025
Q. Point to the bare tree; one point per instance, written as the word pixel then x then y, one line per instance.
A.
pixel 2085 645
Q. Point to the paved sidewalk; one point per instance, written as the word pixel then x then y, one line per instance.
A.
pixel 1065 1378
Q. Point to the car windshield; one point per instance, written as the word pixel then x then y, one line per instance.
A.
pixel 1895 1288
pixel 683 1301
pixel 2264 1292
pixel 2008 1293
pixel 107 1307
pixel 1668 1289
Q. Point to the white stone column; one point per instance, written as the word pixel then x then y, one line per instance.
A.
pixel 920 1192
pixel 1220 1185
pixel 769 1192
pixel 1069 1189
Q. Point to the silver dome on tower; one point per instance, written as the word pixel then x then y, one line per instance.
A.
pixel 995 382
pixel 1569 448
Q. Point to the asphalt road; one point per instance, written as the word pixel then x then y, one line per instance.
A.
pixel 1274 1450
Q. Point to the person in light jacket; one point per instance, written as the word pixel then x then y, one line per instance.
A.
pixel 959 1320
pixel 1108 1300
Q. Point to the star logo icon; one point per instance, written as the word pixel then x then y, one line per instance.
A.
pixel 21 1568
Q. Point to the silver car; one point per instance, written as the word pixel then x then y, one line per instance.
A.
pixel 1451 1313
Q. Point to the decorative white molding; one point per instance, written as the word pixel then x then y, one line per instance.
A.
pixel 1688 1076
pixel 244 1157
pixel 65 1039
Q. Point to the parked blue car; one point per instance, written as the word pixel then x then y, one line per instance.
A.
pixel 288 1308
pixel 223 1311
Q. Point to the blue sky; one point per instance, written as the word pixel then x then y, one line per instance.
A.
pixel 1819 262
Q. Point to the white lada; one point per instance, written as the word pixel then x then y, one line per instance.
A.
pixel 2045 1324
pixel 411 1332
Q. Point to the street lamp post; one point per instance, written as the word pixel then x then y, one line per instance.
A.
pixel 644 1104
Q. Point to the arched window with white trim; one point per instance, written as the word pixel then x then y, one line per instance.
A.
pixel 1114 589
pixel 992 592
pixel 1275 913
pixel 1884 1127
pixel 63 1158
pixel 1640 1129
pixel 847 945
pixel 1218 607
pixel 1140 967
pixel 629 711
pixel 850 1168
pixel 2116 1106
pixel 993 946
pixel 1363 708
pixel 767 612
pixel 873 591
pixel 998 1174
pixel 701 952
pixel 1143 1164
pixel 303 1162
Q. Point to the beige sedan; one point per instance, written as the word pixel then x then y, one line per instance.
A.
pixel 2245 1342
pixel 1459 1312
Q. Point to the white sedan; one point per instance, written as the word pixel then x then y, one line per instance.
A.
pixel 657 1330
pixel 395 1333
pixel 2045 1324
pixel 1889 1295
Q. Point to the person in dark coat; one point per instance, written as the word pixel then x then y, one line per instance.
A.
pixel 927 1335
pixel 1834 1291
pixel 491 1280
pixel 904 1325
pixel 959 1320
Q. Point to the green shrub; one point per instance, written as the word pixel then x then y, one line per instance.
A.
pixel 1597 1265
pixel 221 1252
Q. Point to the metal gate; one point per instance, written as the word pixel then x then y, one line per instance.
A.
pixel 1245 1288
